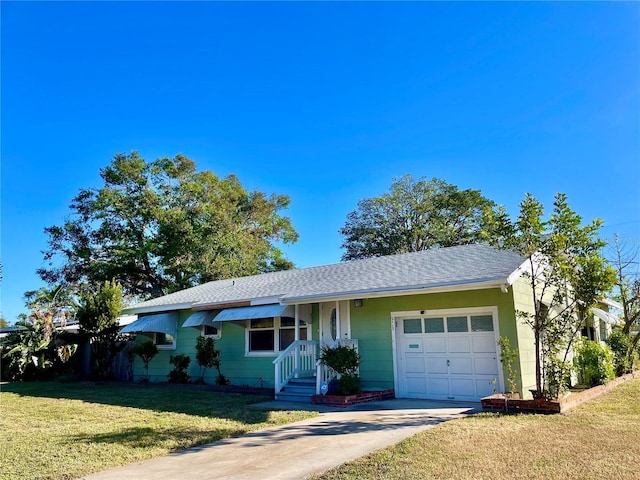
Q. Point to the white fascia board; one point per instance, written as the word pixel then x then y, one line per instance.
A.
pixel 530 264
pixel 397 292
pixel 265 300
pixel 158 308
pixel 612 303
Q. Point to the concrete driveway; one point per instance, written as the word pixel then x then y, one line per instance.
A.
pixel 300 449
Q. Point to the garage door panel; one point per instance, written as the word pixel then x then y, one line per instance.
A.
pixel 413 345
pixel 462 387
pixel 437 365
pixel 414 365
pixel 485 366
pixel 436 344
pixel 484 387
pixel 438 386
pixel 417 385
pixel 483 343
pixel 461 366
pixel 459 344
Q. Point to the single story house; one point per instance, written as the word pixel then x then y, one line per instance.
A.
pixel 426 324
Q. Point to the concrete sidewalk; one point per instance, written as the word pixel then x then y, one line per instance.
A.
pixel 300 449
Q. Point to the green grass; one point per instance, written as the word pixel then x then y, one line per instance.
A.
pixel 597 440
pixel 63 431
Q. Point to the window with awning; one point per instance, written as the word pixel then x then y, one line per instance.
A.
pixel 162 328
pixel 205 321
pixel 255 312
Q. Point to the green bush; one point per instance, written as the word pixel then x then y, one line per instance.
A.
pixel 208 356
pixel 146 351
pixel 620 343
pixel 345 361
pixel 181 364
pixel 557 376
pixel 594 363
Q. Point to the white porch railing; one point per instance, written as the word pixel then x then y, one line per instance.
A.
pixel 297 359
pixel 324 374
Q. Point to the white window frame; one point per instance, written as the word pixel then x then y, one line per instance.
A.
pixel 217 336
pixel 276 337
pixel 153 336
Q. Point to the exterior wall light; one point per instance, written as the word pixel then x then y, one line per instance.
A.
pixel 357 302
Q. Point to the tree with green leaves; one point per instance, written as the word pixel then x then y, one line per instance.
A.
pixel 625 258
pixel 414 215
pixel 146 351
pixel 97 315
pixel 40 349
pixel 162 226
pixel 566 274
pixel 208 356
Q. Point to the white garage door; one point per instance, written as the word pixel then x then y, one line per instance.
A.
pixel 447 356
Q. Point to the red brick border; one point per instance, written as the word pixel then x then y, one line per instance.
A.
pixel 496 403
pixel 346 400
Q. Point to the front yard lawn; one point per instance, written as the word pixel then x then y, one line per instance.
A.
pixel 64 431
pixel 596 440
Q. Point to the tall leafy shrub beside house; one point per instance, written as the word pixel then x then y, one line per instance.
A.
pixel 620 344
pixel 594 363
pixel 146 351
pixel 208 356
pixel 98 317
pixel 180 364
pixel 508 358
pixel 565 273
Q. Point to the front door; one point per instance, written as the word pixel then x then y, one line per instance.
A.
pixel 334 322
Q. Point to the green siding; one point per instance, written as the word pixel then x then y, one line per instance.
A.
pixel 525 338
pixel 371 325
pixel 241 369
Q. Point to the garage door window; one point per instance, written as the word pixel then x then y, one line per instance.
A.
pixel 412 325
pixel 434 325
pixel 457 324
pixel 482 323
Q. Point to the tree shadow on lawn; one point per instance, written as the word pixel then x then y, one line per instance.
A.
pixel 173 398
pixel 145 437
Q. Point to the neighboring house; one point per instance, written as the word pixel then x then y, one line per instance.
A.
pixel 426 324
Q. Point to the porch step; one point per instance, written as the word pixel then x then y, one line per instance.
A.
pixel 298 390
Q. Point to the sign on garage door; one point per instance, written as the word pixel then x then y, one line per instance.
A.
pixel 446 355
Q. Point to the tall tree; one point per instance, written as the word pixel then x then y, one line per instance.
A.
pixel 625 258
pixel 566 275
pixel 40 346
pixel 161 226
pixel 97 315
pixel 414 215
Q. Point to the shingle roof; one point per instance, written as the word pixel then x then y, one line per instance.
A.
pixel 450 267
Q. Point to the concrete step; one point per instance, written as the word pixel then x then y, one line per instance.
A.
pixel 294 397
pixel 298 390
pixel 301 389
pixel 311 381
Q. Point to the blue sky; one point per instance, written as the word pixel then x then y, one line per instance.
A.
pixel 325 102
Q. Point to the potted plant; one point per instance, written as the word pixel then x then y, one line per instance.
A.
pixel 345 361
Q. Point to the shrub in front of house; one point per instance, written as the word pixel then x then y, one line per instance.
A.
pixel 594 363
pixel 620 344
pixel 345 361
pixel 180 365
